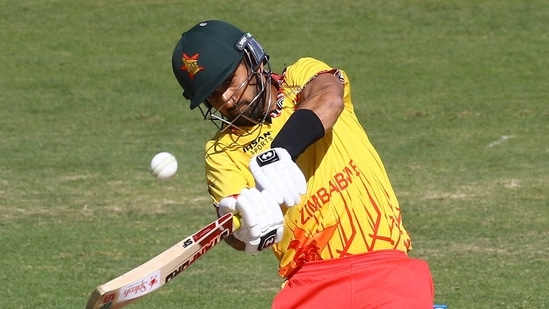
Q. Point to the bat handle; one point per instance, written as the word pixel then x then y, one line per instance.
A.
pixel 236 223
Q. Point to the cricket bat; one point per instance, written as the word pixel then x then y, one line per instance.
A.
pixel 158 271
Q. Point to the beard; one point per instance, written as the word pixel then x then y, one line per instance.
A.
pixel 252 115
pixel 256 111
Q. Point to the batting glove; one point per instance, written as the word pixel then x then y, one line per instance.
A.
pixel 274 170
pixel 262 219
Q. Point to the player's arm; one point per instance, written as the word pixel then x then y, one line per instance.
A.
pixel 235 243
pixel 324 96
pixel 319 106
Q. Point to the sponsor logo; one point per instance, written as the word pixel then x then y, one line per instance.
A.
pixel 267 157
pixel 140 287
pixel 107 301
pixel 205 231
pixel 338 183
pixel 209 241
pixel 267 240
pixel 241 44
pixel 187 242
pixel 190 65
pixel 258 144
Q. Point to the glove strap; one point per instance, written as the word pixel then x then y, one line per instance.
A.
pixel 267 240
pixel 302 129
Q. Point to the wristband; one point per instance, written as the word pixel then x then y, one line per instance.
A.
pixel 302 129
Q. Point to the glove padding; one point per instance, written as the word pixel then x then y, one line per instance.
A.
pixel 274 170
pixel 262 219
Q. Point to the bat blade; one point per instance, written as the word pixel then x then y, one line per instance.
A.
pixel 161 269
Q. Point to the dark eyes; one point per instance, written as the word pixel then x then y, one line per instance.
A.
pixel 228 81
pixel 223 87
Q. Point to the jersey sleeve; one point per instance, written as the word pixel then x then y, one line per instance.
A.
pixel 305 70
pixel 298 75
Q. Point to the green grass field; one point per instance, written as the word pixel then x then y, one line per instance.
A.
pixel 454 94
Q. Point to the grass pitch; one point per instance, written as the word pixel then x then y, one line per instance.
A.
pixel 453 94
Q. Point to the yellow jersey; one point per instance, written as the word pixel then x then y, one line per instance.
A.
pixel 350 206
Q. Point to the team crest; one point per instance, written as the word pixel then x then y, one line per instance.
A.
pixel 190 64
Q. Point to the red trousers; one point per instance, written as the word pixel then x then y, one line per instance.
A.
pixel 386 279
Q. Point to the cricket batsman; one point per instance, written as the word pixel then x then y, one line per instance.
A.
pixel 291 159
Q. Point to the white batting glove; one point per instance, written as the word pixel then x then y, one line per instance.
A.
pixel 262 219
pixel 274 170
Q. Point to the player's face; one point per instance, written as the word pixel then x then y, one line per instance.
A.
pixel 237 98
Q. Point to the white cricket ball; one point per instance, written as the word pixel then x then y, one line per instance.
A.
pixel 163 165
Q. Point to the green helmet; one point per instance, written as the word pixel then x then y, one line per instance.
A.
pixel 207 54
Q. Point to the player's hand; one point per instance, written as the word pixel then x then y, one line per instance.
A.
pixel 262 219
pixel 274 170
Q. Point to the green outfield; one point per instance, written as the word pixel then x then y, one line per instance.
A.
pixel 454 94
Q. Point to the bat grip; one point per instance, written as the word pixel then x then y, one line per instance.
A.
pixel 236 223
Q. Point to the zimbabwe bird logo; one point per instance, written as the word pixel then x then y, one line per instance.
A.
pixel 190 64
